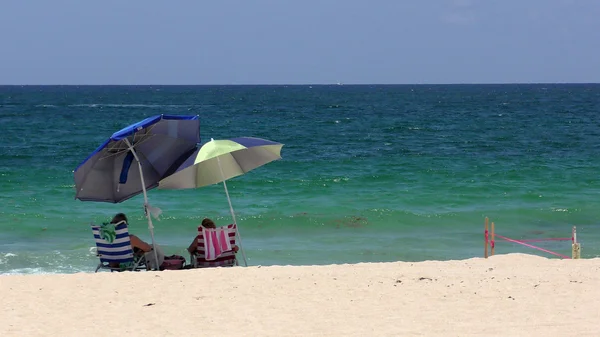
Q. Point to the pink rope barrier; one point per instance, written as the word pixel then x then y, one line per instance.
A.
pixel 531 246
pixel 547 239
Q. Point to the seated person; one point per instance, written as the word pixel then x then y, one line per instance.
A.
pixel 139 247
pixel 206 223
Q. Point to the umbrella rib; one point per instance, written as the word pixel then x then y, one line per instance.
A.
pixel 120 146
pixel 121 149
pixel 141 155
pixel 237 162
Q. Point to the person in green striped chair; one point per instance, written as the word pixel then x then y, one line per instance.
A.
pixel 139 246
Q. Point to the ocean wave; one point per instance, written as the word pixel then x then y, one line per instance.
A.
pixel 51 261
pixel 4 259
pixel 27 271
pixel 6 256
pixel 151 106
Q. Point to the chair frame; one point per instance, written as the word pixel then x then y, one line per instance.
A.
pixel 139 264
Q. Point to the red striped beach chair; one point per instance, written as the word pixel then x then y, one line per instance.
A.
pixel 225 259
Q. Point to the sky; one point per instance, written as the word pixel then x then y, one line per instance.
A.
pixel 299 42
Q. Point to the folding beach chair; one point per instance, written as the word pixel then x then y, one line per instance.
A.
pixel 114 248
pixel 205 257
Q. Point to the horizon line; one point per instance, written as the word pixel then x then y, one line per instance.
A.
pixel 300 84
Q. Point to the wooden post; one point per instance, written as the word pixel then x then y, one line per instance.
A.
pixel 493 240
pixel 485 237
pixel 576 248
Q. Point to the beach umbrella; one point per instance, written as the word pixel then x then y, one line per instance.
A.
pixel 220 160
pixel 158 144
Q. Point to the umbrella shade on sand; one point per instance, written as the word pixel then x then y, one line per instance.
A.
pixel 220 160
pixel 158 144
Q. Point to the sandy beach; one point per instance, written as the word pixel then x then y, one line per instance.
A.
pixel 505 295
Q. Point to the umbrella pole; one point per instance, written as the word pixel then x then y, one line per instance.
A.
pixel 232 213
pixel 150 225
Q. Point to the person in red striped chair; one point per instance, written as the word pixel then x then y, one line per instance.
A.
pixel 206 223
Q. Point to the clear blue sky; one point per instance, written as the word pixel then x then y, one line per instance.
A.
pixel 299 42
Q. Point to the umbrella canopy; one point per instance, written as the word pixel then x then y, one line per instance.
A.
pixel 219 160
pixel 161 143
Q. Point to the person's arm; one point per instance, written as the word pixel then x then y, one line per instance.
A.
pixel 193 246
pixel 138 243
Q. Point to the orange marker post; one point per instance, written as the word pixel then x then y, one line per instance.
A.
pixel 493 240
pixel 485 237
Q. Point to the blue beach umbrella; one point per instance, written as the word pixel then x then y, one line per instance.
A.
pixel 219 160
pixel 158 144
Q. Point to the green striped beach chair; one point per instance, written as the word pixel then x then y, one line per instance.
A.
pixel 114 248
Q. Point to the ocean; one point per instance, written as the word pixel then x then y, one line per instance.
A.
pixel 370 173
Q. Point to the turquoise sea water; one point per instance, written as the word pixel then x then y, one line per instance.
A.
pixel 369 173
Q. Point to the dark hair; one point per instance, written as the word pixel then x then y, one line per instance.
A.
pixel 118 218
pixel 208 223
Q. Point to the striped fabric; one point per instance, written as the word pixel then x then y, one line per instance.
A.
pixel 226 259
pixel 117 252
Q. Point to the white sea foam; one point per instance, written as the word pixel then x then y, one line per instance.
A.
pixel 25 271
pixel 4 259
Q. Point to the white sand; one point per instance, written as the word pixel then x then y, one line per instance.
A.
pixel 506 295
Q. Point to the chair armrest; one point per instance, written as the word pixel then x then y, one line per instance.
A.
pixel 193 259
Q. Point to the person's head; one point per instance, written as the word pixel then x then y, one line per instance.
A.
pixel 118 218
pixel 208 223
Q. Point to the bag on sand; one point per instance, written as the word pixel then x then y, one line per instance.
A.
pixel 173 262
